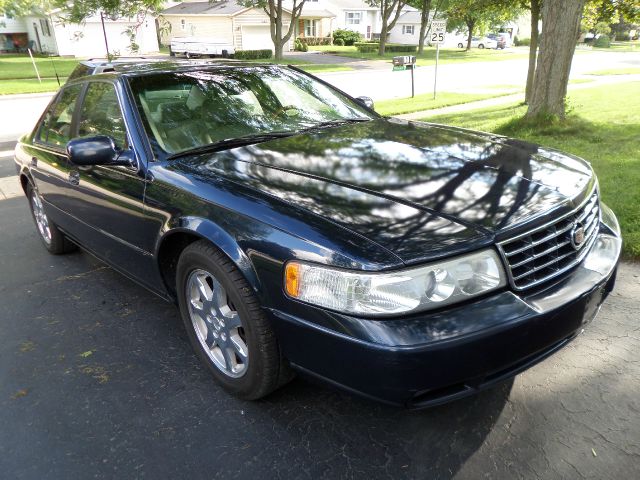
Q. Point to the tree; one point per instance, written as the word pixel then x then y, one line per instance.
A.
pixel 425 18
pixel 22 8
pixel 471 14
pixel 389 13
pixel 275 10
pixel 560 29
pixel 534 6
pixel 609 12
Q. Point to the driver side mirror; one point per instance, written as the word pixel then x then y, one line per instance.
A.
pixel 98 150
pixel 365 101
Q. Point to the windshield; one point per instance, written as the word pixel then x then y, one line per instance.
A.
pixel 186 110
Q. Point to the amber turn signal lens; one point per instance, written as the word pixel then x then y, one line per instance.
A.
pixel 292 279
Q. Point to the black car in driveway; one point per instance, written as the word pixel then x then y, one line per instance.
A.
pixel 298 230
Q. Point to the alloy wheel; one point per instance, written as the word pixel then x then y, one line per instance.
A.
pixel 42 221
pixel 217 323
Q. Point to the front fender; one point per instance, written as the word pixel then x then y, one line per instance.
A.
pixel 214 233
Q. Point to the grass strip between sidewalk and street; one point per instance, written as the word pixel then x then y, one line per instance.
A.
pixel 398 106
pixel 603 127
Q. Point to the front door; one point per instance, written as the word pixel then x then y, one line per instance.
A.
pixel 108 200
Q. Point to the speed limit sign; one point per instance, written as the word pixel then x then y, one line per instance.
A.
pixel 438 31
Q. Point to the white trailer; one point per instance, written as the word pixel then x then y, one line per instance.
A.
pixel 200 47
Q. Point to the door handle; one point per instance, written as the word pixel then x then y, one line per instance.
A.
pixel 74 177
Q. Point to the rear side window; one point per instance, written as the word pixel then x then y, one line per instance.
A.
pixel 100 114
pixel 56 125
pixel 80 71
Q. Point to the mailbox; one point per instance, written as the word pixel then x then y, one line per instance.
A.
pixel 404 61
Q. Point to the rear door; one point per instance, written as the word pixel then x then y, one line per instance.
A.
pixel 108 200
pixel 50 167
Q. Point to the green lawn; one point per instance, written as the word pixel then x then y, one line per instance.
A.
pixel 447 55
pixel 398 106
pixel 8 87
pixel 19 66
pixel 617 71
pixel 603 127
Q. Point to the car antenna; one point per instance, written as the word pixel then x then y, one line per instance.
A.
pixel 54 69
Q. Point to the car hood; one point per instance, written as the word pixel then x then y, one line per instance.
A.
pixel 420 190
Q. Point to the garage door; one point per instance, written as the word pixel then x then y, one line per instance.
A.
pixel 256 37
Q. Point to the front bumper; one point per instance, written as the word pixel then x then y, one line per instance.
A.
pixel 435 357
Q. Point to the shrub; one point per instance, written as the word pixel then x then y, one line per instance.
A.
pixel 371 47
pixel 313 41
pixel 253 54
pixel 339 42
pixel 522 42
pixel 298 46
pixel 349 37
pixel 603 41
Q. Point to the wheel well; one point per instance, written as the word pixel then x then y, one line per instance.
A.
pixel 168 255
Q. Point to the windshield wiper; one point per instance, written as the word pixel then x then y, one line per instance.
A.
pixel 231 143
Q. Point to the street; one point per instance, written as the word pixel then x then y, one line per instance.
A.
pixel 97 380
pixel 377 81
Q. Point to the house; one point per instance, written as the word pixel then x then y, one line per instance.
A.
pixel 50 34
pixel 13 33
pixel 358 16
pixel 245 28
pixel 407 29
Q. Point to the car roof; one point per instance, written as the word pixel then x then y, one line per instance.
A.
pixel 142 66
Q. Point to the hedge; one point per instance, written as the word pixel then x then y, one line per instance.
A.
pixel 603 41
pixel 253 54
pixel 522 42
pixel 371 47
pixel 313 41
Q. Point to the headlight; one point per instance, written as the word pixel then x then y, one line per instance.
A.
pixel 425 287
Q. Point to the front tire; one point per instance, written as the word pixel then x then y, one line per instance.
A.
pixel 460 45
pixel 53 239
pixel 226 324
pixel 481 46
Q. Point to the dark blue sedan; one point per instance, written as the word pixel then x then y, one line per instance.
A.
pixel 299 231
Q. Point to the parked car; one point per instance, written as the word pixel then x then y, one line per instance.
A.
pixel 200 47
pixel 502 40
pixel 299 231
pixel 479 42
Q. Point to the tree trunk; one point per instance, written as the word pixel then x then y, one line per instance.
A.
pixel 560 27
pixel 470 26
pixel 533 49
pixel 424 21
pixel 383 37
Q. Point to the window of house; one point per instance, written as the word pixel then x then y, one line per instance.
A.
pixel 56 125
pixel 353 18
pixel 309 28
pixel 183 24
pixel 408 29
pixel 44 27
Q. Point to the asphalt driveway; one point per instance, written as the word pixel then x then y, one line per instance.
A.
pixel 97 380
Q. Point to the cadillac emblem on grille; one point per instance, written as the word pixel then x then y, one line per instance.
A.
pixel 577 235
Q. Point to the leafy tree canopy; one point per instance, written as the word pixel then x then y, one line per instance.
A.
pixel 78 10
pixel 609 12
pixel 482 14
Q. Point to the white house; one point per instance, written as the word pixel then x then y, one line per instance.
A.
pixel 358 16
pixel 13 33
pixel 407 29
pixel 50 34
pixel 243 27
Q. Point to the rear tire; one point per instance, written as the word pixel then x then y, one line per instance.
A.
pixel 228 329
pixel 53 239
pixel 481 46
pixel 460 45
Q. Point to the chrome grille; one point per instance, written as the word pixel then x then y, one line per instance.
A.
pixel 549 251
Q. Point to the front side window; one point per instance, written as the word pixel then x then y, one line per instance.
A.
pixel 184 110
pixel 57 123
pixel 354 18
pixel 100 114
